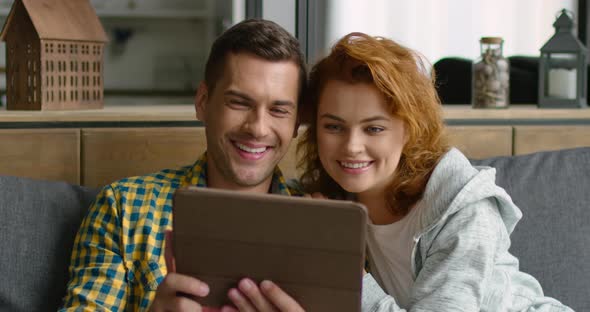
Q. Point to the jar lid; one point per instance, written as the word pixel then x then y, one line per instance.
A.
pixel 491 40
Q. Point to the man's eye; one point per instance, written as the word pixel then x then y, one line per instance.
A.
pixel 374 130
pixel 238 104
pixel 280 111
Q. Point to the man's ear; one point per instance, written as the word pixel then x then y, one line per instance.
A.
pixel 201 100
pixel 296 131
pixel 298 120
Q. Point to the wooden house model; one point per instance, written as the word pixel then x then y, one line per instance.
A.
pixel 54 55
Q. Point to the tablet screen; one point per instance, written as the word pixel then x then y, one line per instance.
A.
pixel 313 249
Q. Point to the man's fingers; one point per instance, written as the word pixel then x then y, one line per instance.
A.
pixel 279 298
pixel 240 301
pixel 169 252
pixel 227 309
pixel 318 195
pixel 184 304
pixel 167 298
pixel 266 298
pixel 185 284
pixel 250 289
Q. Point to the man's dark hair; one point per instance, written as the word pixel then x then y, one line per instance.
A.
pixel 262 38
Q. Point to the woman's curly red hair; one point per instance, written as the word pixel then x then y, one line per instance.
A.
pixel 401 75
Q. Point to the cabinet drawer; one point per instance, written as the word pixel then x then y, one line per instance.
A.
pixel 479 142
pixel 49 154
pixel 109 154
pixel 530 139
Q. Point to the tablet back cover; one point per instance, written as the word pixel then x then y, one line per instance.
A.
pixel 313 249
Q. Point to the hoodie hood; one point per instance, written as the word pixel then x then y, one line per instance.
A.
pixel 455 184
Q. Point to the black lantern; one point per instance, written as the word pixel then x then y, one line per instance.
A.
pixel 563 68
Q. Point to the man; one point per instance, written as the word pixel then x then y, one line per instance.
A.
pixel 254 79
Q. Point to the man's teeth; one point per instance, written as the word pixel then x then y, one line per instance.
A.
pixel 249 149
pixel 354 165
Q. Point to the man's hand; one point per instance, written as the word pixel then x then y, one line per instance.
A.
pixel 316 195
pixel 167 298
pixel 176 290
pixel 268 297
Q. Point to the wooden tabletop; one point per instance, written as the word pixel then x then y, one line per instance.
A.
pixel 514 112
pixel 186 113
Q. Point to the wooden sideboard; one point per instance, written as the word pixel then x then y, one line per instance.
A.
pixel 94 147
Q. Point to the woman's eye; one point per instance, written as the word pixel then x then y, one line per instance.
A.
pixel 332 127
pixel 374 129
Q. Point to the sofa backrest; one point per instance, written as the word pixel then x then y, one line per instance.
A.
pixel 552 241
pixel 38 224
pixel 39 220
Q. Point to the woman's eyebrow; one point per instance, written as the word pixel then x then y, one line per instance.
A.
pixel 376 118
pixel 370 119
pixel 333 117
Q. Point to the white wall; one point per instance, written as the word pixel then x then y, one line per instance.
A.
pixel 439 28
pixel 281 12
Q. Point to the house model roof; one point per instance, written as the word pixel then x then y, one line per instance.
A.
pixel 61 20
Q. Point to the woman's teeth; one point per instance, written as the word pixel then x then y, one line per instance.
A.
pixel 356 165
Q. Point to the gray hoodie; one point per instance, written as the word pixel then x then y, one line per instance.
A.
pixel 460 258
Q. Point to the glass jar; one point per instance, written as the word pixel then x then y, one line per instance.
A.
pixel 490 76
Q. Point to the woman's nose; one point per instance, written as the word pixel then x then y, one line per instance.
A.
pixel 354 143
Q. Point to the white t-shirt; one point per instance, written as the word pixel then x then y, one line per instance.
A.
pixel 390 255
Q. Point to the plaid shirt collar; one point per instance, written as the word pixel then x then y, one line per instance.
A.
pixel 197 176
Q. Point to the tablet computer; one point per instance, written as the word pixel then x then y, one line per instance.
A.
pixel 313 249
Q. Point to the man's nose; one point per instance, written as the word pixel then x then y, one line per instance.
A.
pixel 257 123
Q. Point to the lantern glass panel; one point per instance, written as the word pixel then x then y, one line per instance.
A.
pixel 561 75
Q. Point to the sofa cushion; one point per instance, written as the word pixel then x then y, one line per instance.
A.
pixel 552 241
pixel 38 223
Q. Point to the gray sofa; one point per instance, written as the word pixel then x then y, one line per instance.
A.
pixel 39 219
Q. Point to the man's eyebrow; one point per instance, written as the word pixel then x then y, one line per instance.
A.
pixel 249 99
pixel 284 103
pixel 238 94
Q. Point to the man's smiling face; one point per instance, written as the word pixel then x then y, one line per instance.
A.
pixel 250 118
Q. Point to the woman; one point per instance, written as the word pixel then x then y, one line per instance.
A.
pixel 439 233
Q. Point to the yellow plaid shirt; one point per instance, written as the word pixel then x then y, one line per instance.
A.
pixel 118 257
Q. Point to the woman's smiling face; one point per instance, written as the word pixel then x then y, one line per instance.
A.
pixel 359 142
